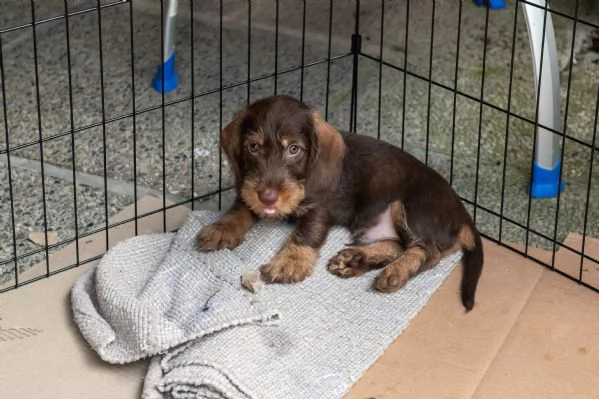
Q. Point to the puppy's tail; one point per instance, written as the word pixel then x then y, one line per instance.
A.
pixel 472 260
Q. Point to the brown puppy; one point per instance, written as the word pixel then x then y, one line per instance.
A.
pixel 289 163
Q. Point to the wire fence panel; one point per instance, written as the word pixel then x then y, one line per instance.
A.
pixel 105 102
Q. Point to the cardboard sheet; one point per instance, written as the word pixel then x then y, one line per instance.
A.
pixel 553 349
pixel 569 262
pixel 533 334
pixel 445 352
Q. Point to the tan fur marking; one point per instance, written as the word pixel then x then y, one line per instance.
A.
pixel 355 261
pixel 288 203
pixel 398 272
pixel 292 194
pixel 228 232
pixel 466 237
pixel 398 213
pixel 292 264
pixel 382 251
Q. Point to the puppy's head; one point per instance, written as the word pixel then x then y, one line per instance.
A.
pixel 284 156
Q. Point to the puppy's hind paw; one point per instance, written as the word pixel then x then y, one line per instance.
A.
pixel 389 280
pixel 350 262
pixel 218 236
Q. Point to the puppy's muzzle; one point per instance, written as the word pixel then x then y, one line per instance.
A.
pixel 269 198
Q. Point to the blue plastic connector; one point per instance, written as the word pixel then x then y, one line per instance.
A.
pixel 545 182
pixel 494 4
pixel 171 80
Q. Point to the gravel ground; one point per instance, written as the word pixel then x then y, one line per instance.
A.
pixel 138 151
pixel 59 213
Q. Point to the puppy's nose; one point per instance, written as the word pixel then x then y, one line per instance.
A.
pixel 268 197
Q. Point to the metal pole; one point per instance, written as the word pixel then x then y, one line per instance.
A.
pixel 170 79
pixel 546 167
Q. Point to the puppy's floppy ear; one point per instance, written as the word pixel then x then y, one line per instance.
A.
pixel 326 158
pixel 230 142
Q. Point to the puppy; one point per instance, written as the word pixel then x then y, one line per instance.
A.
pixel 289 163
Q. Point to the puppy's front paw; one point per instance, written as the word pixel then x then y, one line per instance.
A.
pixel 350 262
pixel 218 236
pixel 293 264
pixel 389 280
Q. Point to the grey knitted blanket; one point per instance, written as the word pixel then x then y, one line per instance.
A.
pixel 209 338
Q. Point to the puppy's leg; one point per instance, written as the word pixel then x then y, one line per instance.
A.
pixel 228 232
pixel 355 261
pixel 292 264
pixel 397 273
pixel 298 256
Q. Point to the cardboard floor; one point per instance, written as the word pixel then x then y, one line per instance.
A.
pixel 533 334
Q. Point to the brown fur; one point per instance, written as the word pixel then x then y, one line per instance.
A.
pixel 228 232
pixel 229 141
pixel 322 177
pixel 327 158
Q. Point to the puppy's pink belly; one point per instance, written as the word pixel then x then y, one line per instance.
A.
pixel 384 229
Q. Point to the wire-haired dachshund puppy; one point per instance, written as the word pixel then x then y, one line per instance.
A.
pixel 289 163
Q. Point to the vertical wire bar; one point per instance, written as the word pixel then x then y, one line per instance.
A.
pixel 566 109
pixel 72 117
pixel 193 100
pixel 276 44
pixel 104 141
pixel 163 116
pixel 99 11
pixel 534 141
pixel 430 83
pixel 326 106
pixel 249 51
pixel 354 97
pixel 405 75
pixel 480 115
pixel 39 127
pixel 588 197
pixel 8 151
pixel 378 132
pixel 303 51
pixel 134 117
pixel 507 121
pixel 455 94
pixel 220 105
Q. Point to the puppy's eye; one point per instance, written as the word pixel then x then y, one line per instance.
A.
pixel 293 149
pixel 253 147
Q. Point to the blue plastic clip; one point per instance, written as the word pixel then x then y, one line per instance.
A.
pixel 494 4
pixel 545 182
pixel 171 80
